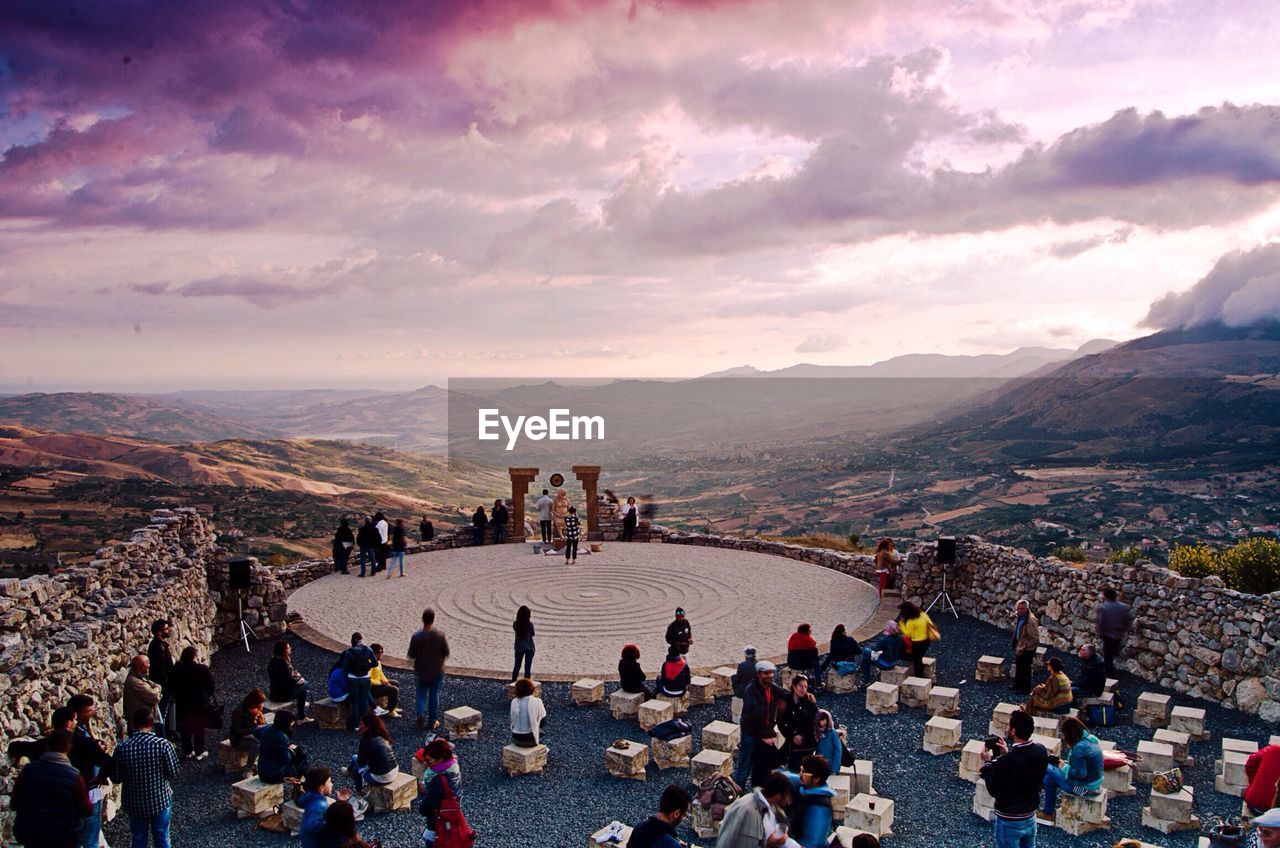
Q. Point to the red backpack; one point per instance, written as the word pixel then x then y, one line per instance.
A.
pixel 452 830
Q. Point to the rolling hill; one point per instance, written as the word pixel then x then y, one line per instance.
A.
pixel 123 415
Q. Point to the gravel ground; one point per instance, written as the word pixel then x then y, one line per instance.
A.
pixel 576 796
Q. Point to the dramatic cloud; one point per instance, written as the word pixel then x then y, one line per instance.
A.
pixel 1242 289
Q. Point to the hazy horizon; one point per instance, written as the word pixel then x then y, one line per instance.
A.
pixel 372 196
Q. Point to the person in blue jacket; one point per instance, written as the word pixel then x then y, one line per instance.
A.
pixel 829 745
pixel 889 648
pixel 811 817
pixel 318 786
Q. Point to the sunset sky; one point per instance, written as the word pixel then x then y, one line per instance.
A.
pixel 254 193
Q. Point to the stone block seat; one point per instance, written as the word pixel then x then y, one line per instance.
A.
pixel 330 714
pixel 232 761
pixel 395 796
pixel 291 817
pixel 723 676
pixel 708 762
pixel 1152 710
pixel 702 690
pixel 463 722
pixel 943 701
pixel 721 736
pixel 276 706
pixel 679 703
pixel 587 692
pixel 882 698
pixel 971 760
pixel 870 814
pixel 627 759
pixel 253 798
pixel 841 684
pixel 1078 815
pixel 654 712
pixel 914 691
pixel 517 760
pixel 671 753
pixel 625 704
pixel 990 669
pixel 1171 813
pixel 894 676
pixel 1189 720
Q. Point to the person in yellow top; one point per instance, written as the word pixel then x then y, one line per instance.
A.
pixel 920 629
pixel 380 685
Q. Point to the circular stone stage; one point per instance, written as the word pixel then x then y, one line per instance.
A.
pixel 583 614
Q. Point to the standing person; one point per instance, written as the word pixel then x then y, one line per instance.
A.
pixel 1081 773
pixel 1026 638
pixel 367 541
pixel 1113 620
pixel 399 544
pixel 630 518
pixel 50 799
pixel 343 541
pixel 559 512
pixel 193 689
pixel 886 565
pixel 375 758
pixel 523 626
pixel 145 766
pixel 543 506
pixel 759 721
pixel 89 755
pixel 746 821
pixel 246 721
pixel 528 715
pixel 499 518
pixel 428 648
pixel 161 660
pixel 659 831
pixel 426 530
pixel 680 633
pixel 572 529
pixel 479 521
pixel 919 629
pixel 384 538
pixel 139 690
pixel 811 816
pixel 284 683
pixel 797 717
pixel 1013 776
pixel 630 672
pixel 357 663
pixel 381 686
pixel 745 673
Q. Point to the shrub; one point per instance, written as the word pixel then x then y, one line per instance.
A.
pixel 855 538
pixel 1252 566
pixel 1194 561
pixel 1074 553
pixel 1126 556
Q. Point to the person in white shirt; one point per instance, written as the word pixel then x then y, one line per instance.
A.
pixel 543 506
pixel 528 714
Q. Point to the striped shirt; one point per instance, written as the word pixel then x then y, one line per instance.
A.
pixel 145 765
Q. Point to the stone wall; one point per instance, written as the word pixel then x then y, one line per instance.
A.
pixel 75 631
pixel 1190 635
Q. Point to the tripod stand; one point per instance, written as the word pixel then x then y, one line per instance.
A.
pixel 944 597
pixel 245 630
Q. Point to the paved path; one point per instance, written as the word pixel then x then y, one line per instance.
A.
pixel 584 614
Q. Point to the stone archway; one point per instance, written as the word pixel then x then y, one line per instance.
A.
pixel 588 476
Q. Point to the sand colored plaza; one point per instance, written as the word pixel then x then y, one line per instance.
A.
pixel 583 614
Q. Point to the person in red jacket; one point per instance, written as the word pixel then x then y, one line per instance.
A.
pixel 1263 770
pixel 802 651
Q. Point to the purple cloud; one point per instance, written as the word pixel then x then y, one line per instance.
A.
pixel 1240 290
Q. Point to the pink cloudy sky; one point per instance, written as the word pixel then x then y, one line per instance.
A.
pixel 250 193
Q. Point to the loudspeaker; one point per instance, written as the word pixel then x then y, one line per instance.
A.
pixel 947 550
pixel 238 572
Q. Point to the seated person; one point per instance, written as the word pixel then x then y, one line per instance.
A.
pixel 242 729
pixel 826 739
pixel 441 770
pixel 674 676
pixel 844 648
pixel 337 684
pixel 381 686
pixel 1093 675
pixel 528 715
pixel 889 648
pixel 810 815
pixel 340 827
pixel 1054 694
pixel 283 682
pixel 317 786
pixel 630 673
pixel 1081 772
pixel 375 759
pixel 278 756
pixel 746 671
pixel 1263 770
pixel 802 650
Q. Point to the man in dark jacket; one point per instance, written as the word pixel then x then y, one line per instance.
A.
pixel 278 756
pixel 679 633
pixel 479 521
pixel 1092 679
pixel 1014 777
pixel 367 542
pixel 746 671
pixel 1113 620
pixel 89 755
pixel 660 831
pixel 756 753
pixel 358 663
pixel 50 799
pixel 428 649
pixel 161 659
pixel 498 518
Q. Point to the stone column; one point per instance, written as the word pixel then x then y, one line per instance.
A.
pixel 520 480
pixel 589 476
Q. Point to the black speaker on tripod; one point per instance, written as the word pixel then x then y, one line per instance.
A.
pixel 946 559
pixel 946 550
pixel 238 573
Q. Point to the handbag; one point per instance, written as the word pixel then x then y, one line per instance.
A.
pixel 1167 782
pixel 934 634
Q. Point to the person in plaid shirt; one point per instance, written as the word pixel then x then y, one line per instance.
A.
pixel 571 531
pixel 145 765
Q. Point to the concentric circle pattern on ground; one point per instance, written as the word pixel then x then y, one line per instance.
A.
pixel 583 614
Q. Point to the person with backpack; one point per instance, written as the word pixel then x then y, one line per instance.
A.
pixel 441 794
pixel 659 831
pixel 357 663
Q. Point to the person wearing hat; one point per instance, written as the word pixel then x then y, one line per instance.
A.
pixel 746 672
pixel 757 756
pixel 679 633
pixel 1267 832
